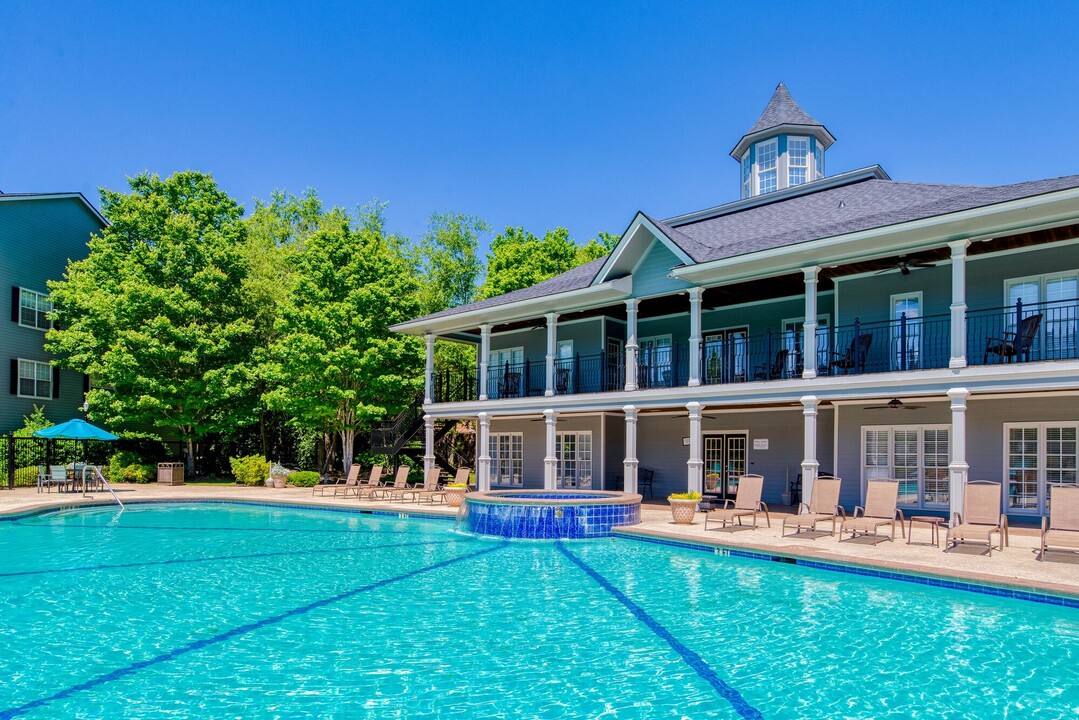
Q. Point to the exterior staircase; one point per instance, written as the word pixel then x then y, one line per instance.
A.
pixel 404 436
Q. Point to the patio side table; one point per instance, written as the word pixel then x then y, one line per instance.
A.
pixel 934 524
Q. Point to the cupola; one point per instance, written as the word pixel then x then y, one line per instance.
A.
pixel 783 149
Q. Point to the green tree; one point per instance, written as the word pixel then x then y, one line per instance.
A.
pixel 336 365
pixel 518 259
pixel 449 261
pixel 156 314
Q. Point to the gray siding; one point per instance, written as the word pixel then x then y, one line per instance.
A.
pixel 533 340
pixel 585 336
pixel 37 238
pixel 650 277
pixel 986 275
pixel 535 442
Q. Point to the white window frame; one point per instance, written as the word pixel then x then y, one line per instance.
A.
pixel 514 443
pixel 818 161
pixel 891 429
pixel 747 174
pixel 774 142
pixel 25 293
pixel 914 331
pixel 1058 333
pixel 1042 504
pixel 805 160
pixel 35 365
pixel 582 460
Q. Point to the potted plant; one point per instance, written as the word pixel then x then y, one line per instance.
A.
pixel 455 494
pixel 684 506
pixel 279 475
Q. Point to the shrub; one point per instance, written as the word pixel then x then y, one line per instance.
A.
pixel 128 467
pixel 26 476
pixel 304 478
pixel 250 470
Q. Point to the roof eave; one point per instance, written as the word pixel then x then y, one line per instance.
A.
pixel 566 301
pixel 15 197
pixel 818 131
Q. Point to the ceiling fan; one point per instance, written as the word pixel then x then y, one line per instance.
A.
pixel 894 404
pixel 904 265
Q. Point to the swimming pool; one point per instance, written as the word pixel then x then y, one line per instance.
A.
pixel 225 610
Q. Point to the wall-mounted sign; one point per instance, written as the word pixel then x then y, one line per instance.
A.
pixel 760 443
pixel 685 441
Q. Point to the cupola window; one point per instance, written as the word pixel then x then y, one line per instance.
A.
pixel 767 173
pixel 797 160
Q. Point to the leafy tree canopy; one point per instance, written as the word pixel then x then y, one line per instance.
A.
pixel 155 313
pixel 448 260
pixel 518 259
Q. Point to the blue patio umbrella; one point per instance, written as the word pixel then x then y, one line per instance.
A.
pixel 76 429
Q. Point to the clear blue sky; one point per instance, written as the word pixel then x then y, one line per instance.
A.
pixel 533 114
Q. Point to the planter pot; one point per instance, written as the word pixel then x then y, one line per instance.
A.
pixel 785 498
pixel 683 511
pixel 455 496
pixel 279 481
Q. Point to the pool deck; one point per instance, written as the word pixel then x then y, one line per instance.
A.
pixel 1015 566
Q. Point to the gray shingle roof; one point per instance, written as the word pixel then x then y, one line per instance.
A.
pixel 845 209
pixel 782 110
pixel 575 279
pixel 865 205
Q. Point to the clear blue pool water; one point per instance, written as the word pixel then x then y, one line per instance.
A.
pixel 215 611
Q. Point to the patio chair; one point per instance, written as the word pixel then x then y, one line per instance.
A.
pixel 430 490
pixel 854 358
pixel 1061 528
pixel 778 368
pixel 46 480
pixel 374 481
pixel 58 476
pixel 823 506
pixel 393 492
pixel 981 517
pixel 880 509
pixel 337 483
pixel 747 503
pixel 1014 345
pixel 645 478
pixel 464 477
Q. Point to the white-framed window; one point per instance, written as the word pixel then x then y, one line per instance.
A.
pixel 793 332
pixel 818 157
pixel 1054 296
pixel 35 379
pixel 747 174
pixel 767 166
pixel 34 309
pixel 906 337
pixel 797 161
pixel 655 361
pixel 507 458
pixel 574 453
pixel 1038 456
pixel 915 455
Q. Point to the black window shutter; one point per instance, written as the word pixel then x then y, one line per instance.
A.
pixel 14 376
pixel 56 382
pixel 16 298
pixel 85 384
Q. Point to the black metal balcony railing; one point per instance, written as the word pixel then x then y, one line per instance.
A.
pixel 602 372
pixel 662 367
pixel 892 345
pixel 512 380
pixel 1024 332
pixel 455 386
pixel 743 358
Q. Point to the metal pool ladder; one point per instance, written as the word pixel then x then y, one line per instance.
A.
pixel 105 483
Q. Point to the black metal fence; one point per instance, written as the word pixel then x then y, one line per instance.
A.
pixel 662 367
pixel 20 457
pixel 602 372
pixel 904 344
pixel 454 385
pixel 1024 332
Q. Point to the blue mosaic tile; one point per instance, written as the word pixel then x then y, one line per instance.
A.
pixel 546 522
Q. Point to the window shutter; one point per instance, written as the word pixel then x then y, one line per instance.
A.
pixel 85 384
pixel 14 376
pixel 16 298
pixel 56 382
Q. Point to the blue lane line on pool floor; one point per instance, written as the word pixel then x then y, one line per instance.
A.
pixel 695 661
pixel 250 556
pixel 235 632
pixel 48 525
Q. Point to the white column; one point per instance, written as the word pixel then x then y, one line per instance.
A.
pixel 428 442
pixel 485 358
pixel 809 329
pixel 695 464
pixel 483 453
pixel 550 461
pixel 958 469
pixel 959 303
pixel 429 370
pixel 809 464
pixel 695 296
pixel 631 347
pixel 552 345
pixel 629 465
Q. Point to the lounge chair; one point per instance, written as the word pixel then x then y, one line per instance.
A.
pixel 981 517
pixel 1014 345
pixel 823 506
pixel 880 510
pixel 855 357
pixel 778 368
pixel 463 477
pixel 747 503
pixel 337 484
pixel 374 481
pixel 394 492
pixel 430 490
pixel 1061 528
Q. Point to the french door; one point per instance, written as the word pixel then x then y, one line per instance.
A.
pixel 655 361
pixel 574 453
pixel 725 355
pixel 725 457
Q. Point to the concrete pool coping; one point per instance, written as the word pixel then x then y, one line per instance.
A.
pixel 1015 567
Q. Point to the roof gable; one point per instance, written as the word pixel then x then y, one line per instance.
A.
pixel 636 241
